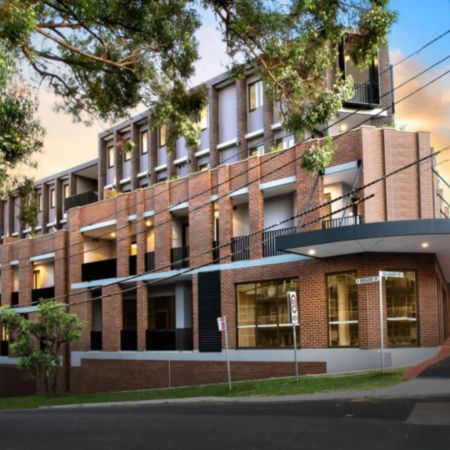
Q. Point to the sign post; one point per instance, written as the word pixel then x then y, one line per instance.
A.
pixel 379 279
pixel 222 325
pixel 293 317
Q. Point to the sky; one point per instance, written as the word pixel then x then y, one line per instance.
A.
pixel 68 144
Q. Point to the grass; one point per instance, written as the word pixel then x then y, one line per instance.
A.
pixel 281 386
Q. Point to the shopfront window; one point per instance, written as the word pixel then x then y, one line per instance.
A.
pixel 401 300
pixel 343 326
pixel 263 319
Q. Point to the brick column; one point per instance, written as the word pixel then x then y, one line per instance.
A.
pixel 135 156
pixel 142 315
pixel 255 208
pixel 25 272
pixel 213 115
pixel 268 121
pixel 80 304
pixel 426 191
pixel 102 163
pixel 241 104
pixel 60 240
pixel 111 317
pixel 141 231
pixel 75 246
pixel 225 214
pixel 123 240
pixel 163 227
pixel 200 218
pixel 6 274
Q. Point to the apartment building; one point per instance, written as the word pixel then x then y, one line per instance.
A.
pixel 176 240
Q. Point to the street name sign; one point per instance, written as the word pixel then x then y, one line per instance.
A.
pixel 368 280
pixel 385 274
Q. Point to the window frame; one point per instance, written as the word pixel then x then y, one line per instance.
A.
pixel 110 156
pixel 144 148
pixel 162 142
pixel 52 195
pixel 259 95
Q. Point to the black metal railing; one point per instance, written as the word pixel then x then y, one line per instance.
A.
pixel 365 94
pixel 42 294
pixel 240 248
pixel 99 269
pixel 133 264
pixel 96 340
pixel 4 348
pixel 179 258
pixel 84 198
pixel 342 222
pixel 175 339
pixel 128 340
pixel 14 298
pixel 149 261
pixel 215 252
pixel 269 248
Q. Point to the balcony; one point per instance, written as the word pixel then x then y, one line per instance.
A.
pixel 38 295
pixel 178 339
pixel 149 261
pixel 179 258
pixel 133 264
pixel 269 248
pixel 342 222
pixel 4 348
pixel 84 198
pixel 365 94
pixel 96 341
pixel 14 298
pixel 240 248
pixel 128 340
pixel 99 270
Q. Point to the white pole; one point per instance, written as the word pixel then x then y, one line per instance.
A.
pixel 226 350
pixel 294 336
pixel 380 297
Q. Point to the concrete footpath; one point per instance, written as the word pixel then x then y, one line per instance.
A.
pixel 408 389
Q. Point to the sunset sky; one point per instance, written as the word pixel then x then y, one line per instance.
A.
pixel 68 143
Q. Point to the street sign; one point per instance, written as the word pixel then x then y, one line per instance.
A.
pixel 221 324
pixel 367 280
pixel 292 306
pixel 385 274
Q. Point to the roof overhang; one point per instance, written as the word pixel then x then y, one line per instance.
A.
pixel 404 236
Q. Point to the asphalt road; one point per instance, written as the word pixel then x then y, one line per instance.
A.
pixel 371 424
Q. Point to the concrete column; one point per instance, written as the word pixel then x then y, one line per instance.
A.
pixel 192 160
pixel 135 156
pixel 111 317
pixel 213 96
pixel 153 153
pixel 59 201
pixel 241 111
pixel 268 120
pixel 171 155
pixel 142 315
pixel 118 140
pixel 102 163
pixel 2 220
pixel 45 207
pixel 11 214
pixel 73 188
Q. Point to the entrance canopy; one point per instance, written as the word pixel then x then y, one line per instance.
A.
pixel 403 236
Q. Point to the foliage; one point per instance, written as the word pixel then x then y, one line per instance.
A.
pixel 38 342
pixel 318 156
pixel 29 206
pixel 104 58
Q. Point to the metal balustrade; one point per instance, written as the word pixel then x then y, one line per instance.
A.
pixel 149 261
pixel 342 222
pixel 240 248
pixel 365 94
pixel 42 294
pixel 99 270
pixel 179 257
pixel 269 248
pixel 84 198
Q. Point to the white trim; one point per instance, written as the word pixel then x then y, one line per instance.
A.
pixel 338 322
pixel 183 159
pixel 142 174
pixel 63 221
pixel 149 213
pixel 132 217
pixel 38 228
pixel 201 153
pixel 52 224
pixel 27 230
pixel 276 126
pixel 238 192
pixel 179 206
pixel 214 198
pixel 42 257
pixel 341 168
pixel 367 112
pixel 14 262
pixel 98 226
pixel 161 167
pixel 125 180
pixel 227 144
pixel 255 133
pixel 277 183
pixel 109 186
pixel 25 309
pixel 15 234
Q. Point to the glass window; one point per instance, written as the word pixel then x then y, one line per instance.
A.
pixel 285 142
pixel 401 301
pixel 111 157
pixel 127 152
pixel 203 118
pixel 255 95
pixel 162 136
pixel 66 191
pixel 263 318
pixel 39 201
pixel 52 198
pixel 343 326
pixel 256 151
pixel 144 142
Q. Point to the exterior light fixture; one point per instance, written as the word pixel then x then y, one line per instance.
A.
pixel 343 127
pixel 425 245
pixel 148 223
pixel 113 234
pixel 311 252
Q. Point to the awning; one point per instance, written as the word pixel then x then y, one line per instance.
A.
pixel 403 236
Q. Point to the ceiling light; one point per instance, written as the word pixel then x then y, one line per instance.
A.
pixel 311 252
pixel 425 245
pixel 148 223
pixel 343 127
pixel 113 234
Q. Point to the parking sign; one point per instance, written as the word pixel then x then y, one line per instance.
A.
pixel 292 306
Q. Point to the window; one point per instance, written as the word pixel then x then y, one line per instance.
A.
pixel 144 142
pixel 36 279
pixel 162 135
pixel 263 317
pixel 204 166
pixel 203 118
pixel 66 191
pixel 52 198
pixel 111 157
pixel 343 326
pixel 285 142
pixel 256 151
pixel 39 201
pixel 127 152
pixel 255 95
pixel 401 301
pixel 133 249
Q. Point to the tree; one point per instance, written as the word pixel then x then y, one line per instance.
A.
pixel 38 342
pixel 104 58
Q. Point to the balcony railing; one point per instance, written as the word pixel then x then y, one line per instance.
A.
pixel 149 261
pixel 176 339
pixel 365 94
pixel 42 294
pixel 215 252
pixel 179 258
pixel 240 248
pixel 14 298
pixel 269 248
pixel 133 264
pixel 128 340
pixel 96 340
pixel 84 198
pixel 4 348
pixel 99 269
pixel 342 222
